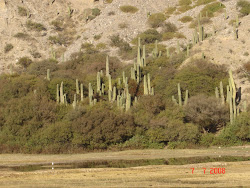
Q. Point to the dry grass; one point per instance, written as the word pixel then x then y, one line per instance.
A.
pixel 237 173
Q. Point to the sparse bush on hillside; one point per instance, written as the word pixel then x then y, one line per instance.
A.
pixel 184 8
pixel 8 47
pixel 245 7
pixel 203 21
pixel 58 25
pixel 96 12
pixel 186 19
pixel 24 62
pixel 170 10
pixel 23 36
pixel 156 20
pixel 35 26
pixel 148 36
pixel 123 25
pixel 185 2
pixel 40 67
pixel 128 9
pixel 22 11
pixel 212 8
pixel 203 2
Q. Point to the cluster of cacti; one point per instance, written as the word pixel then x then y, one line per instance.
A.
pixel 180 97
pixel 141 54
pixel 231 97
pixel 201 36
pixel 156 53
pixel 148 90
pixel 60 96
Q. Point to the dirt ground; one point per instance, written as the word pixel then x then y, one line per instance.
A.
pixel 236 173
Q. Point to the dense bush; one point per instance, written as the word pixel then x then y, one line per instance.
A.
pixel 128 9
pixel 207 112
pixel 156 20
pixel 24 62
pixel 8 47
pixel 148 36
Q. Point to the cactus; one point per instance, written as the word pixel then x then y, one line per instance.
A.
pixel 174 100
pixel 216 93
pixel 81 87
pixel 235 32
pixel 145 85
pixel 114 94
pixel 103 87
pixel 233 92
pixel 132 73
pixel 152 91
pixel 74 102
pixel 107 66
pixel 149 84
pixel 222 93
pixel 61 94
pixel 156 52
pixel 98 84
pixel 228 94
pixel 65 99
pixel 201 33
pixel 95 101
pixel 139 56
pixel 110 95
pixel 48 74
pixel 179 94
pixel 90 94
pixel 110 83
pixel 138 74
pixel 144 56
pixel 186 98
pixel 136 100
pixel 57 94
pixel 203 55
pixel 77 87
pixel 128 102
pixel 123 77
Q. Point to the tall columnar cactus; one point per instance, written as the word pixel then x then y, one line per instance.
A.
pixel 61 94
pixel 228 94
pixel 132 73
pixel 110 83
pixel 74 102
pixel 235 32
pixel 77 87
pixel 128 102
pixel 186 98
pixel 138 74
pixel 145 85
pixel 103 87
pixel 144 64
pixel 48 74
pixel 152 91
pixel 149 84
pixel 81 87
pixel 90 94
pixel 110 95
pixel 123 77
pixel 201 33
pixel 107 66
pixel 57 94
pixel 114 94
pixel 222 93
pixel 156 52
pixel 179 94
pixel 180 97
pixel 98 84
pixel 237 21
pixel 216 93
pixel 233 92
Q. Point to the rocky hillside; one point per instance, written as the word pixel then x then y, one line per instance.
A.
pixel 58 28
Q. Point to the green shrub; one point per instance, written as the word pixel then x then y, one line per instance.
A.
pixel 23 36
pixel 147 37
pixel 184 8
pixel 186 19
pixel 8 47
pixel 35 26
pixel 185 2
pixel 128 9
pixel 24 62
pixel 171 35
pixel 96 12
pixel 207 139
pixel 245 7
pixel 212 8
pixel 201 77
pixel 22 11
pixel 207 112
pixel 203 2
pixel 156 20
pixel 40 67
pixel 170 10
pixel 203 21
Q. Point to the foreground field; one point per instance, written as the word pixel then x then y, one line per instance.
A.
pixel 236 173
